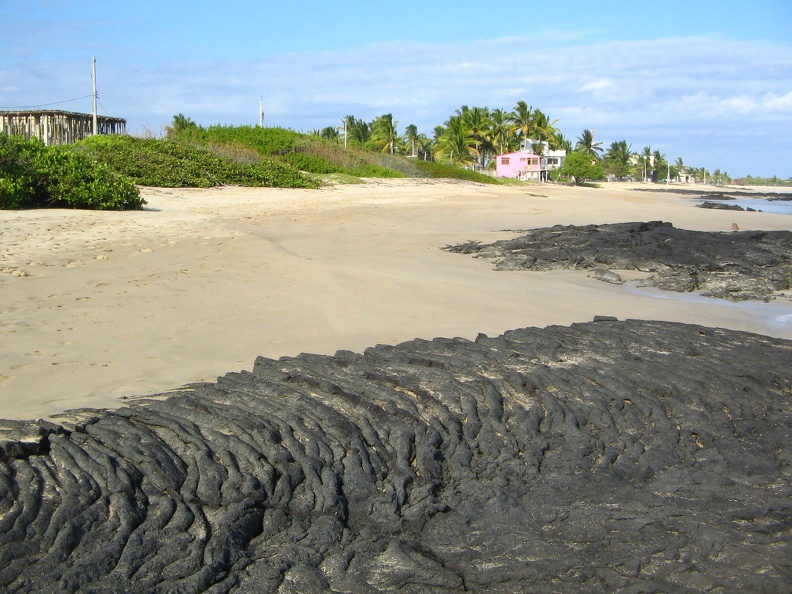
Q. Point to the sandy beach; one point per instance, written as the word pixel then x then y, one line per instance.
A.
pixel 101 306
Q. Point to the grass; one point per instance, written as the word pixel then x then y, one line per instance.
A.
pixel 331 179
pixel 441 170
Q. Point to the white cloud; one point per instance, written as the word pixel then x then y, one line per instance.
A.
pixel 772 102
pixel 670 93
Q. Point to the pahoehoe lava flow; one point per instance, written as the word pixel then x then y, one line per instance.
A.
pixel 608 456
pixel 734 265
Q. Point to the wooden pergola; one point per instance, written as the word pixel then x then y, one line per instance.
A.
pixel 57 127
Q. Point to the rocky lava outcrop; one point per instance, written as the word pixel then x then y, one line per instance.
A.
pixel 737 265
pixel 630 456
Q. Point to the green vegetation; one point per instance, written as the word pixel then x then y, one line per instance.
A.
pixel 764 181
pixel 310 153
pixel 101 171
pixel 35 176
pixel 443 170
pixel 171 164
pixel 582 167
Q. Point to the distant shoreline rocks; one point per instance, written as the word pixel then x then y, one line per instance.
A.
pixel 723 206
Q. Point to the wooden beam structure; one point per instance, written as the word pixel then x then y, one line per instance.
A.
pixel 57 127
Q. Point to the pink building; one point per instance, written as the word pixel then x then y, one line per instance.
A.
pixel 519 165
pixel 525 164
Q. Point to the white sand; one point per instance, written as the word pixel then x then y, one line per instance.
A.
pixel 134 303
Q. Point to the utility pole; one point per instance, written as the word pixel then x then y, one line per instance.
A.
pixel 261 111
pixel 95 97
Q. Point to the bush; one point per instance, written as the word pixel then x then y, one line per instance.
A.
pixel 172 164
pixel 18 177
pixel 304 152
pixel 35 176
pixel 266 141
pixel 305 162
pixel 581 167
pixel 441 170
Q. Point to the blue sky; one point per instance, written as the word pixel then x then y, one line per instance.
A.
pixel 708 81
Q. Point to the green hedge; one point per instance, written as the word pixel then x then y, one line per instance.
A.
pixel 35 176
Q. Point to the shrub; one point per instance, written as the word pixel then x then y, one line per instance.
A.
pixel 174 164
pixel 304 152
pixel 71 179
pixel 266 141
pixel 310 163
pixel 581 167
pixel 442 170
pixel 35 176
pixel 18 178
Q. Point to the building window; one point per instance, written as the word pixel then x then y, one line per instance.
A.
pixel 504 160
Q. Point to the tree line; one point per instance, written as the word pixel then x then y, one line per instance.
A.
pixel 473 136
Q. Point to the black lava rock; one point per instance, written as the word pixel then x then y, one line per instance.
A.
pixel 737 265
pixel 610 456
pixel 720 206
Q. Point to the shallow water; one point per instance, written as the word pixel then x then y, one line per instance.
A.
pixel 772 206
pixel 775 314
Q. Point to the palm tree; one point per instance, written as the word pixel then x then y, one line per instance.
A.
pixel 560 142
pixel 180 124
pixel 644 161
pixel 543 128
pixel 677 168
pixel 424 145
pixel 383 131
pixel 329 133
pixel 357 130
pixel 454 142
pixel 522 119
pixel 618 159
pixel 411 137
pixel 660 164
pixel 477 125
pixel 587 146
pixel 500 134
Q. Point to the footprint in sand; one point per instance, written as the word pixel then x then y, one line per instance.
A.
pixel 18 272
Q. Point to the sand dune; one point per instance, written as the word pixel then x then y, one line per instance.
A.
pixel 97 306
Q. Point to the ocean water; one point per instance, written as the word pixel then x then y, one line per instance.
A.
pixel 774 206
pixel 774 315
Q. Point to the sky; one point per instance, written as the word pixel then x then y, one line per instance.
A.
pixel 706 81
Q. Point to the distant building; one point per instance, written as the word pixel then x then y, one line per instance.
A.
pixel 57 127
pixel 529 163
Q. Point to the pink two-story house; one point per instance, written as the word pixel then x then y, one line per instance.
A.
pixel 527 165
pixel 519 165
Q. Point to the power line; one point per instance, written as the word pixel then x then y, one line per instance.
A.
pixel 144 104
pixel 44 104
